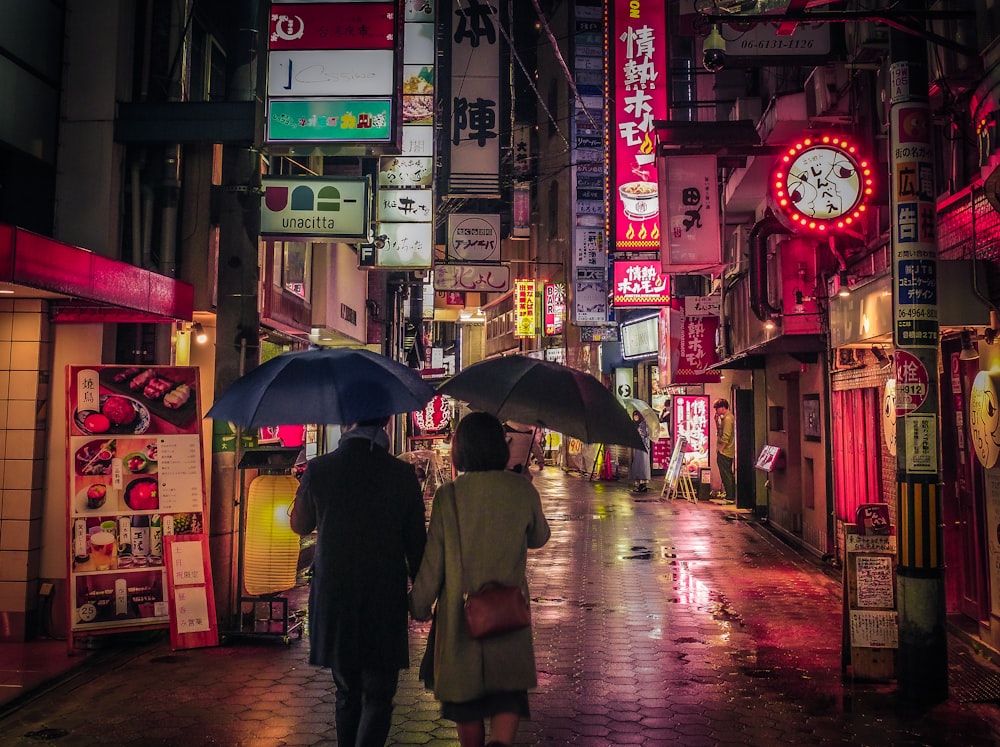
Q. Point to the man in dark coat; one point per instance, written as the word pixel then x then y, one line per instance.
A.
pixel 369 512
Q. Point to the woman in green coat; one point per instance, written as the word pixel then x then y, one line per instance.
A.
pixel 500 515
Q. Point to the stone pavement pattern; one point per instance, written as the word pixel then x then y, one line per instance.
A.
pixel 656 624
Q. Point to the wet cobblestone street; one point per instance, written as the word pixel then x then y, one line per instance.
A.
pixel 656 623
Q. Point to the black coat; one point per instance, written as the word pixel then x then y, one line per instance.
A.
pixel 368 509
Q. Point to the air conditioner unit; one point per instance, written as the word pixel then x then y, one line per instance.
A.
pixel 866 41
pixel 825 90
pixel 738 248
pixel 746 107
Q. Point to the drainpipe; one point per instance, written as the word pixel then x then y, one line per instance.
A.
pixel 763 229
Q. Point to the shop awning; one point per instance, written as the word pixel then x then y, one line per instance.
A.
pixel 87 287
pixel 804 348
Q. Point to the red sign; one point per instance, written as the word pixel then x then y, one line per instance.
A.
pixel 822 185
pixel 911 383
pixel 639 57
pixel 555 308
pixel 697 351
pixel 692 423
pixel 333 26
pixel 435 416
pixel 640 283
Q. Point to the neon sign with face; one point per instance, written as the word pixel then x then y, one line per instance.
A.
pixel 821 185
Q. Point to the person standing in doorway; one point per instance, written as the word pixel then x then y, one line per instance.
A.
pixel 725 446
pixel 368 509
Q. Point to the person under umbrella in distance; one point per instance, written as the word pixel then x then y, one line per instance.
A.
pixel 368 509
pixel 639 471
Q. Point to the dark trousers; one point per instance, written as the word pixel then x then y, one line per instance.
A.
pixel 364 706
pixel 726 473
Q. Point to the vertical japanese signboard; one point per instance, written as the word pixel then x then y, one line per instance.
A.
pixel 690 209
pixel 524 308
pixel 135 476
pixel 473 108
pixel 555 308
pixel 639 62
pixel 589 188
pixel 691 422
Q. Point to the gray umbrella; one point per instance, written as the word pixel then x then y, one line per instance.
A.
pixel 330 386
pixel 537 392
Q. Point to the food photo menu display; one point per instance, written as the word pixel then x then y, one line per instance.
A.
pixel 135 475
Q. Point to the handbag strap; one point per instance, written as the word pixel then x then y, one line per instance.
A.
pixel 458 540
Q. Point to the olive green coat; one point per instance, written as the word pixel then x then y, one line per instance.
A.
pixel 501 517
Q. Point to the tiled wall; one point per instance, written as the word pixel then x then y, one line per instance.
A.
pixel 25 368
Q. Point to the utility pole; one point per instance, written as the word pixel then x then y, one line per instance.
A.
pixel 237 320
pixel 923 650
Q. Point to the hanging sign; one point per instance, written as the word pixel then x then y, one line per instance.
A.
pixel 822 185
pixel 333 26
pixel 640 283
pixel 309 206
pixel 524 308
pixel 473 238
pixel 690 206
pixel 638 52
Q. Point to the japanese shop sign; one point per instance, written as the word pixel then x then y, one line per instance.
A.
pixel 696 351
pixel 639 59
pixel 821 185
pixel 135 478
pixel 435 416
pixel 555 308
pixel 913 216
pixel 407 245
pixel 640 338
pixel 640 283
pixel 332 26
pixel 405 205
pixel 590 252
pixel 690 208
pixel 692 423
pixel 309 206
pixel 473 121
pixel 342 72
pixel 590 302
pixel 984 418
pixel 472 278
pixel 405 171
pixel 524 308
pixel 474 238
pixel 341 120
pixel 911 383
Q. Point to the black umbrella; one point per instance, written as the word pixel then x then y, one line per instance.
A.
pixel 329 386
pixel 537 392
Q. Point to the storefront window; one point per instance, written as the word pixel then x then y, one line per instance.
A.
pixel 295 268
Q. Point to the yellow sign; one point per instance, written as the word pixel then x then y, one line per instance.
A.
pixel 524 308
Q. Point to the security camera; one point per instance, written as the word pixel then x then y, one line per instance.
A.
pixel 713 51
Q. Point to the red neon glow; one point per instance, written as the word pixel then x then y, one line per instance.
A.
pixel 821 184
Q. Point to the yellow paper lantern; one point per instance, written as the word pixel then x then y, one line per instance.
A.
pixel 271 552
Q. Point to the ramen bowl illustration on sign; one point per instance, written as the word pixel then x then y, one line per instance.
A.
pixel 639 199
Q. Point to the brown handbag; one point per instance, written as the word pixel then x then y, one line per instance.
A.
pixel 494 609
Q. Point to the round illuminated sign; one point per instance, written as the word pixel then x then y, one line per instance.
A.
pixel 821 185
pixel 984 419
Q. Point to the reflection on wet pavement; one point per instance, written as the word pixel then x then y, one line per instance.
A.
pixel 655 623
